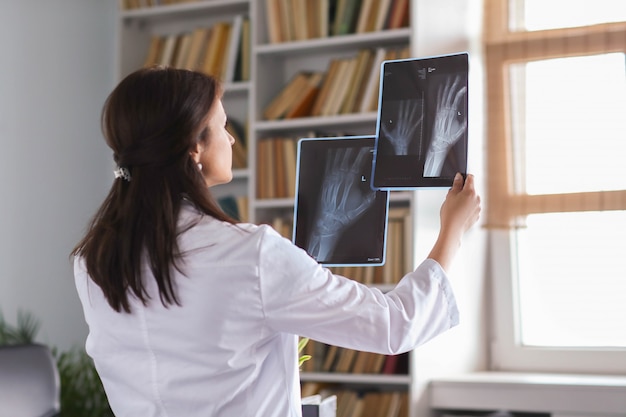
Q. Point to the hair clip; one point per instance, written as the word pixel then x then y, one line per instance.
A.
pixel 123 173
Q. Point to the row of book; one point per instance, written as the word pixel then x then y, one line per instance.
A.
pixel 329 358
pixel 276 167
pixel 221 50
pixel 348 85
pixel 139 4
pixel 295 20
pixel 352 403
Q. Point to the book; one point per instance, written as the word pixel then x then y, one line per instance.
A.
pixel 216 48
pixel 325 88
pixel 402 238
pixel 330 359
pixel 287 20
pixel 346 21
pixel 244 71
pixel 169 43
pixel 394 268
pixel 357 407
pixel 324 18
pixel 312 17
pixel 381 15
pixel 233 50
pixel 278 167
pixel 290 161
pixel 302 106
pixel 389 54
pixel 398 14
pixel 337 16
pixel 370 93
pixel 175 50
pixel 345 360
pixel 273 21
pixel 371 405
pixel 390 364
pixel 221 61
pixel 373 17
pixel 281 104
pixel 300 21
pixel 395 400
pixel 362 23
pixel 361 71
pixel 269 174
pixel 310 388
pixel 196 48
pixel 340 87
pixel 210 50
pixel 375 364
pixel 155 49
pixel 334 87
pixel 361 361
pixel 261 167
pixel 182 50
pixel 346 403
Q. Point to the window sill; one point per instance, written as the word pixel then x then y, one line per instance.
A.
pixel 558 394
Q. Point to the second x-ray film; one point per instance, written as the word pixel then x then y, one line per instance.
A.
pixel 421 134
pixel 339 220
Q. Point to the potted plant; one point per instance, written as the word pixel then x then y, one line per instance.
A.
pixel 82 393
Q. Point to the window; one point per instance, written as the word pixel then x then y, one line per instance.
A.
pixel 556 199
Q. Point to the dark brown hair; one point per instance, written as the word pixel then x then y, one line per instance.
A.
pixel 152 121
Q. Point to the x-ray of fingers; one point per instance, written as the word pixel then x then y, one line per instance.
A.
pixel 421 134
pixel 338 218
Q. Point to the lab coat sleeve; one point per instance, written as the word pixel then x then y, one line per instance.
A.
pixel 303 298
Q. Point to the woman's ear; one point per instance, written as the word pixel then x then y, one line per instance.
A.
pixel 195 153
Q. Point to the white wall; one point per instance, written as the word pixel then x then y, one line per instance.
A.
pixel 442 27
pixel 56 68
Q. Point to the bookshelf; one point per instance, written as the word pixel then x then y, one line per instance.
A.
pixel 273 60
pixel 142 24
pixel 357 378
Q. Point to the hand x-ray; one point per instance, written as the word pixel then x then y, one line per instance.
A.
pixel 421 134
pixel 338 218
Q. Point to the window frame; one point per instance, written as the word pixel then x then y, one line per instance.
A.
pixel 507 207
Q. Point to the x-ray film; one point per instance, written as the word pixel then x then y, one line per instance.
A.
pixel 339 220
pixel 421 133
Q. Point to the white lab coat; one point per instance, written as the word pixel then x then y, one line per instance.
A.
pixel 230 349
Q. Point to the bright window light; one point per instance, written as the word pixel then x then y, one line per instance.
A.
pixel 569 136
pixel 534 15
pixel 572 114
pixel 572 280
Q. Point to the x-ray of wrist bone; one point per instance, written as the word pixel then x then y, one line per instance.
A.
pixel 422 124
pixel 339 218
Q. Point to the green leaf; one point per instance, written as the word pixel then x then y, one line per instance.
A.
pixel 303 359
pixel 302 343
pixel 24 333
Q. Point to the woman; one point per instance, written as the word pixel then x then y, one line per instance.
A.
pixel 191 314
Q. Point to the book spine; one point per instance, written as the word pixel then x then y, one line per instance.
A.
pixel 297 20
